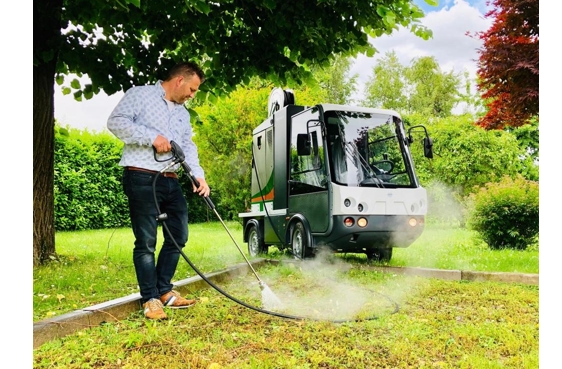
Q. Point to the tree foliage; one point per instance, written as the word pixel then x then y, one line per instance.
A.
pixel 466 156
pixel 335 81
pixel 121 43
pixel 118 47
pixel 386 87
pixel 508 65
pixel 420 87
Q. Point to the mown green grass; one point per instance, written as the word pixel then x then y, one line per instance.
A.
pixel 96 266
pixel 438 324
pixel 351 315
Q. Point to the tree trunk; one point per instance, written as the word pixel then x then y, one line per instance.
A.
pixel 46 34
pixel 43 164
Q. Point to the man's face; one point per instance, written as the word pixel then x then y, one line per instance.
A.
pixel 185 88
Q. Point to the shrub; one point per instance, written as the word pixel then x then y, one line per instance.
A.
pixel 87 181
pixel 506 214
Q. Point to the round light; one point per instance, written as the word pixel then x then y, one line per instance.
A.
pixel 347 203
pixel 360 207
pixel 362 222
pixel 348 222
pixel 413 222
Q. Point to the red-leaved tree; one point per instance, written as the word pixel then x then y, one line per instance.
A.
pixel 508 65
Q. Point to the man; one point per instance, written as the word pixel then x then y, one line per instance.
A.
pixel 146 119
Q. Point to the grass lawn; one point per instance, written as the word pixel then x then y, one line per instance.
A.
pixel 389 321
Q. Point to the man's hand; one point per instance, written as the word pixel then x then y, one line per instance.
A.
pixel 161 144
pixel 203 189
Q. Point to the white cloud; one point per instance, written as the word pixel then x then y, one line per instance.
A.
pixel 453 49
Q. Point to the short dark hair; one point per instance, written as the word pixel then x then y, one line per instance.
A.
pixel 186 69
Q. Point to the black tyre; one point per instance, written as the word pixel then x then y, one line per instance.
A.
pixel 300 244
pixel 256 246
pixel 380 255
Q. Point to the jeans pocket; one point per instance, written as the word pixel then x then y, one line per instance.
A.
pixel 138 185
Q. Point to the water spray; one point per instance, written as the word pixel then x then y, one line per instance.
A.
pixel 268 297
pixel 270 301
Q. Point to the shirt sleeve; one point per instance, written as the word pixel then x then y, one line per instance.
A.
pixel 190 150
pixel 123 120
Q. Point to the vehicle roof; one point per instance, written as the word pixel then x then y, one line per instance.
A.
pixel 362 109
pixel 335 107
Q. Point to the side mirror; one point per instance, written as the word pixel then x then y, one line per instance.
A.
pixel 428 147
pixel 303 144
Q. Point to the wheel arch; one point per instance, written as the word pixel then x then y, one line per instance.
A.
pixel 290 224
pixel 253 222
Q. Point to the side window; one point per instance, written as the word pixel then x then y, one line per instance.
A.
pixel 307 166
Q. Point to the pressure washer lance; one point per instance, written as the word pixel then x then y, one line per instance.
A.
pixel 179 158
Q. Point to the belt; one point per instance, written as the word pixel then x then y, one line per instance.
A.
pixel 164 174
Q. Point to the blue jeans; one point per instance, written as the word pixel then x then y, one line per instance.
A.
pixel 154 277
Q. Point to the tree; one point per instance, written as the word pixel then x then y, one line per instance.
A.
pixel 433 92
pixel 508 65
pixel 224 134
pixel 386 88
pixel 421 87
pixel 121 43
pixel 335 82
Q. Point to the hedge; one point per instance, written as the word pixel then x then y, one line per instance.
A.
pixel 87 183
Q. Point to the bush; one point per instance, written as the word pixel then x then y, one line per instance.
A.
pixel 506 214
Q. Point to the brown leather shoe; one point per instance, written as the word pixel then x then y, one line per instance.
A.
pixel 153 309
pixel 174 300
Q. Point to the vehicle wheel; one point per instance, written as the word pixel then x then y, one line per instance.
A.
pixel 256 246
pixel 301 248
pixel 380 255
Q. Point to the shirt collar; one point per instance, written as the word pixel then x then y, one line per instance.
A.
pixel 158 85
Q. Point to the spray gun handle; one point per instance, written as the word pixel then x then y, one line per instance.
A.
pixel 178 153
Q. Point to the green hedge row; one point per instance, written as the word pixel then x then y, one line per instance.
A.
pixel 87 183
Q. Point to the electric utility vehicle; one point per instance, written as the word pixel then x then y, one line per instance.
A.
pixel 333 176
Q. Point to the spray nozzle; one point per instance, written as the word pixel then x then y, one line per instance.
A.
pixel 262 285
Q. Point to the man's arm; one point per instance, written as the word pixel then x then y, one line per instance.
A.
pixel 192 159
pixel 124 123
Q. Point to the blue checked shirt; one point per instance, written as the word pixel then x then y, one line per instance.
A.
pixel 140 116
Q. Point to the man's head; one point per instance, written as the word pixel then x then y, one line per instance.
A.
pixel 183 81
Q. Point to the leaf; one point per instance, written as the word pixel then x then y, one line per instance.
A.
pixel 202 7
pixel 75 84
pixel 78 96
pixel 371 51
pixel 134 2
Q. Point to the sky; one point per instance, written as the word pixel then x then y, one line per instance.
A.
pixel 450 45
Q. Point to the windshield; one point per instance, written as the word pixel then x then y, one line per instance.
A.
pixel 365 150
